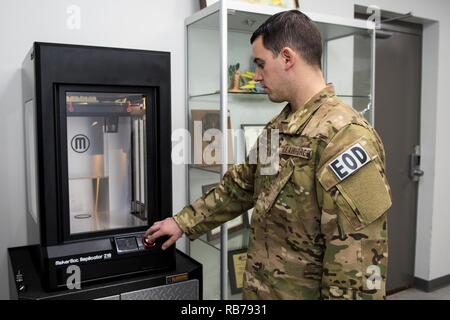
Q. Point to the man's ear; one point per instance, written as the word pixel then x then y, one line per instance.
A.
pixel 288 57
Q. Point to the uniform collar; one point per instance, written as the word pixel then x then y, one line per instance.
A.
pixel 289 122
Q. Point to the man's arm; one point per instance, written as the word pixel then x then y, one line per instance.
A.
pixel 229 199
pixel 354 196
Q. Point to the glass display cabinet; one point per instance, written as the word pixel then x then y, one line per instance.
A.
pixel 220 94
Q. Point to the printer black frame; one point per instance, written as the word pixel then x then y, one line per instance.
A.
pixel 49 71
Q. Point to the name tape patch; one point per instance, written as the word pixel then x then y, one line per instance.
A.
pixel 295 151
pixel 350 161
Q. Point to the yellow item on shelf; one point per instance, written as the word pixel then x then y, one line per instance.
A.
pixel 249 85
pixel 248 74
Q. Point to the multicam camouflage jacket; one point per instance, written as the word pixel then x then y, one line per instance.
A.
pixel 318 228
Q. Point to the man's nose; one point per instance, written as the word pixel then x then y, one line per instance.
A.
pixel 258 76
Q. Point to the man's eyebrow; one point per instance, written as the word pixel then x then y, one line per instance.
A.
pixel 258 61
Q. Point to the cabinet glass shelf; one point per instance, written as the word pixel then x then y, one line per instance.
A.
pixel 246 94
pixel 259 95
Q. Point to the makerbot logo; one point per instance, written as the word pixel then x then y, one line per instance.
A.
pixel 80 143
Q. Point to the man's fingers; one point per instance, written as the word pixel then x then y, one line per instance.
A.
pixel 159 229
pixel 155 227
pixel 169 242
pixel 155 236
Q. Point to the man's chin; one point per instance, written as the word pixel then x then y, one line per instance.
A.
pixel 275 99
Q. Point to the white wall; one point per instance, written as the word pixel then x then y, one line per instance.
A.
pixel 140 24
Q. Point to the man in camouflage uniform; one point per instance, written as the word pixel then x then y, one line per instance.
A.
pixel 319 228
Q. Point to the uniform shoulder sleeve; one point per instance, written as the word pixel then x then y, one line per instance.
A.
pixel 352 166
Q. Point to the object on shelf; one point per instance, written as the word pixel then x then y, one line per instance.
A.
pixel 236 267
pixel 288 4
pixel 234 78
pixel 242 81
pixel 250 85
pixel 206 131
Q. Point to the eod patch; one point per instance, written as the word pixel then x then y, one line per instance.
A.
pixel 350 161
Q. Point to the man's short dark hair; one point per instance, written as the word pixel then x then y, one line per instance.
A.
pixel 292 29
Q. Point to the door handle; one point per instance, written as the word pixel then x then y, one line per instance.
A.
pixel 414 165
pixel 418 173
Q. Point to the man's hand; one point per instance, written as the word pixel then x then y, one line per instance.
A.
pixel 166 227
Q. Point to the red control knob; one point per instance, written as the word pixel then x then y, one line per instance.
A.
pixel 147 243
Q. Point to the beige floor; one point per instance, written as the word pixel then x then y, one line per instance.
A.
pixel 416 294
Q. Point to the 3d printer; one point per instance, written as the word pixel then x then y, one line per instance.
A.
pixel 97 127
